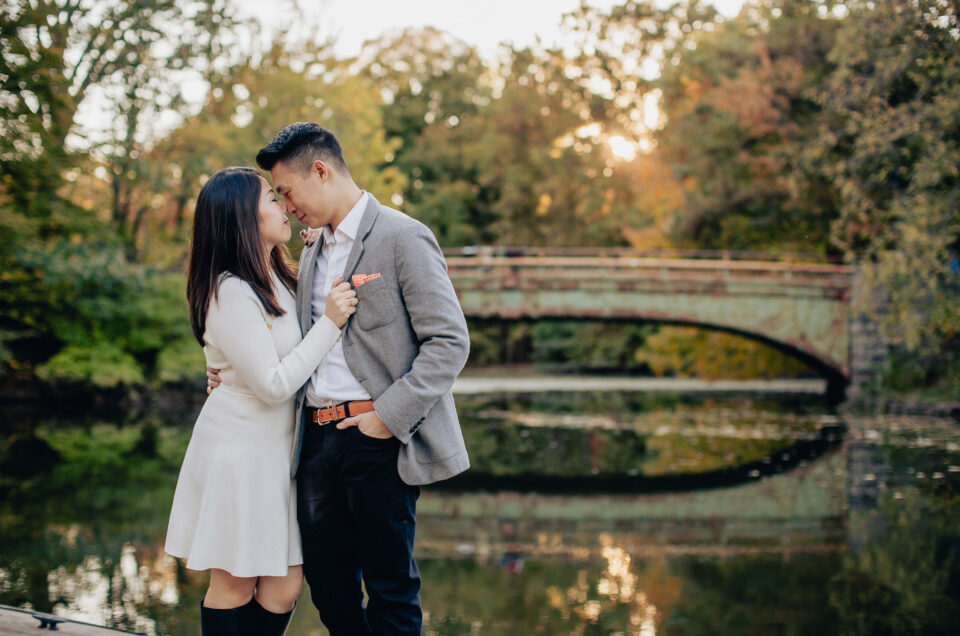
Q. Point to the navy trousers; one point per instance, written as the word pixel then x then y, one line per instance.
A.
pixel 357 522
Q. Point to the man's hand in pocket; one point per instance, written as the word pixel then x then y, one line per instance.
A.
pixel 369 424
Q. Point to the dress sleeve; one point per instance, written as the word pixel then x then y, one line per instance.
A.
pixel 236 325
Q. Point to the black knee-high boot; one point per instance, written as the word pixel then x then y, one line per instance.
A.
pixel 267 623
pixel 236 621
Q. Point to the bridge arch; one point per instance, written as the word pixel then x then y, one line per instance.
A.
pixel 800 308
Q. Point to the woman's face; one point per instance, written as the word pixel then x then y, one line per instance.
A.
pixel 274 225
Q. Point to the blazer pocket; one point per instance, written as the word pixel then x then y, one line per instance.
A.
pixel 437 443
pixel 376 306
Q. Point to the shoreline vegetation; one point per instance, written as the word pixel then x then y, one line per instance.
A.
pixel 189 395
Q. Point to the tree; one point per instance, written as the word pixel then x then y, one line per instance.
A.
pixel 425 75
pixel 890 144
pixel 130 56
pixel 67 281
pixel 733 108
pixel 506 154
pixel 435 90
pixel 737 111
pixel 622 50
pixel 251 103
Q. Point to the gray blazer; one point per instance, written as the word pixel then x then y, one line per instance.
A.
pixel 406 343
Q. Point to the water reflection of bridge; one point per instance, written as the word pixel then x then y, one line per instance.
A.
pixel 798 306
pixel 800 510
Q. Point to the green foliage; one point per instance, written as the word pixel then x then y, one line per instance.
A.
pixel 134 55
pixel 925 377
pixel 252 101
pixel 799 127
pixel 111 317
pixel 181 360
pixel 427 76
pixel 70 279
pixel 499 343
pixel 102 364
pixel 147 444
pixel 736 108
pixel 660 350
pixel 589 344
pixel 791 127
pixel 686 352
pixel 890 142
pixel 510 450
pixel 499 153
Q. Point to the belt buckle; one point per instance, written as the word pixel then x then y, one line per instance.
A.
pixel 317 412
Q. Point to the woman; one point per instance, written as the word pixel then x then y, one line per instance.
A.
pixel 234 509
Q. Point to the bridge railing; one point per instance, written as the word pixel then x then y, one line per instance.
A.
pixel 621 264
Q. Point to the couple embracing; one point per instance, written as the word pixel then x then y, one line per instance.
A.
pixel 331 396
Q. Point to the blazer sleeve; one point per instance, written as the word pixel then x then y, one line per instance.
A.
pixel 441 330
pixel 237 325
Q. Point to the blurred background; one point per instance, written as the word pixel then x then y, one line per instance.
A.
pixel 709 253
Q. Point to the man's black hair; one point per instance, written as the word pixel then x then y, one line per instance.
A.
pixel 299 145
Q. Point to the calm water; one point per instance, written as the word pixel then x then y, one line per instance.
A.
pixel 585 513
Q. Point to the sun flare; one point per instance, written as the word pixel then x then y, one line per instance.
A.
pixel 622 148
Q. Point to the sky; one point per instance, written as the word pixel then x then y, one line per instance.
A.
pixel 484 24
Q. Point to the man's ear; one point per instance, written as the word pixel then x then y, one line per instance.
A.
pixel 320 169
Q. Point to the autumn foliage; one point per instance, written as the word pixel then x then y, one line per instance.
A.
pixel 798 126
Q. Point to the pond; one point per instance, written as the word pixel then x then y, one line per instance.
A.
pixel 600 512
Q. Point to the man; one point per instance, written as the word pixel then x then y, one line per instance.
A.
pixel 377 419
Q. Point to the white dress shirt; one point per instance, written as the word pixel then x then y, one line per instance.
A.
pixel 332 382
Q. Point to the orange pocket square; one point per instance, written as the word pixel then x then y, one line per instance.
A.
pixel 360 279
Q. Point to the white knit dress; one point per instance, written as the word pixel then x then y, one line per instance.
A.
pixel 235 506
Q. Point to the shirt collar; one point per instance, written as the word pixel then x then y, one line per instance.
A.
pixel 350 224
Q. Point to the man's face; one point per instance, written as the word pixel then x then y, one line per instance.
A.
pixel 305 194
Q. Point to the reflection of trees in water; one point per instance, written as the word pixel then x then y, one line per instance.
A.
pixel 85 536
pixel 902 575
pixel 117 591
pixel 622 442
pixel 757 595
pixel 619 594
pixel 543 598
pixel 635 403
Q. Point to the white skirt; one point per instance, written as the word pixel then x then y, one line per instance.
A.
pixel 235 505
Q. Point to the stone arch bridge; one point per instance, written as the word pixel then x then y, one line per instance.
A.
pixel 796 303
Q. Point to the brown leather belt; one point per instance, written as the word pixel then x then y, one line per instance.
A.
pixel 339 411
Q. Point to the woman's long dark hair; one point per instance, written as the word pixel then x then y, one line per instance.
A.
pixel 226 239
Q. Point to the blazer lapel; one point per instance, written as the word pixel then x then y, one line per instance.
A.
pixel 305 284
pixel 369 216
